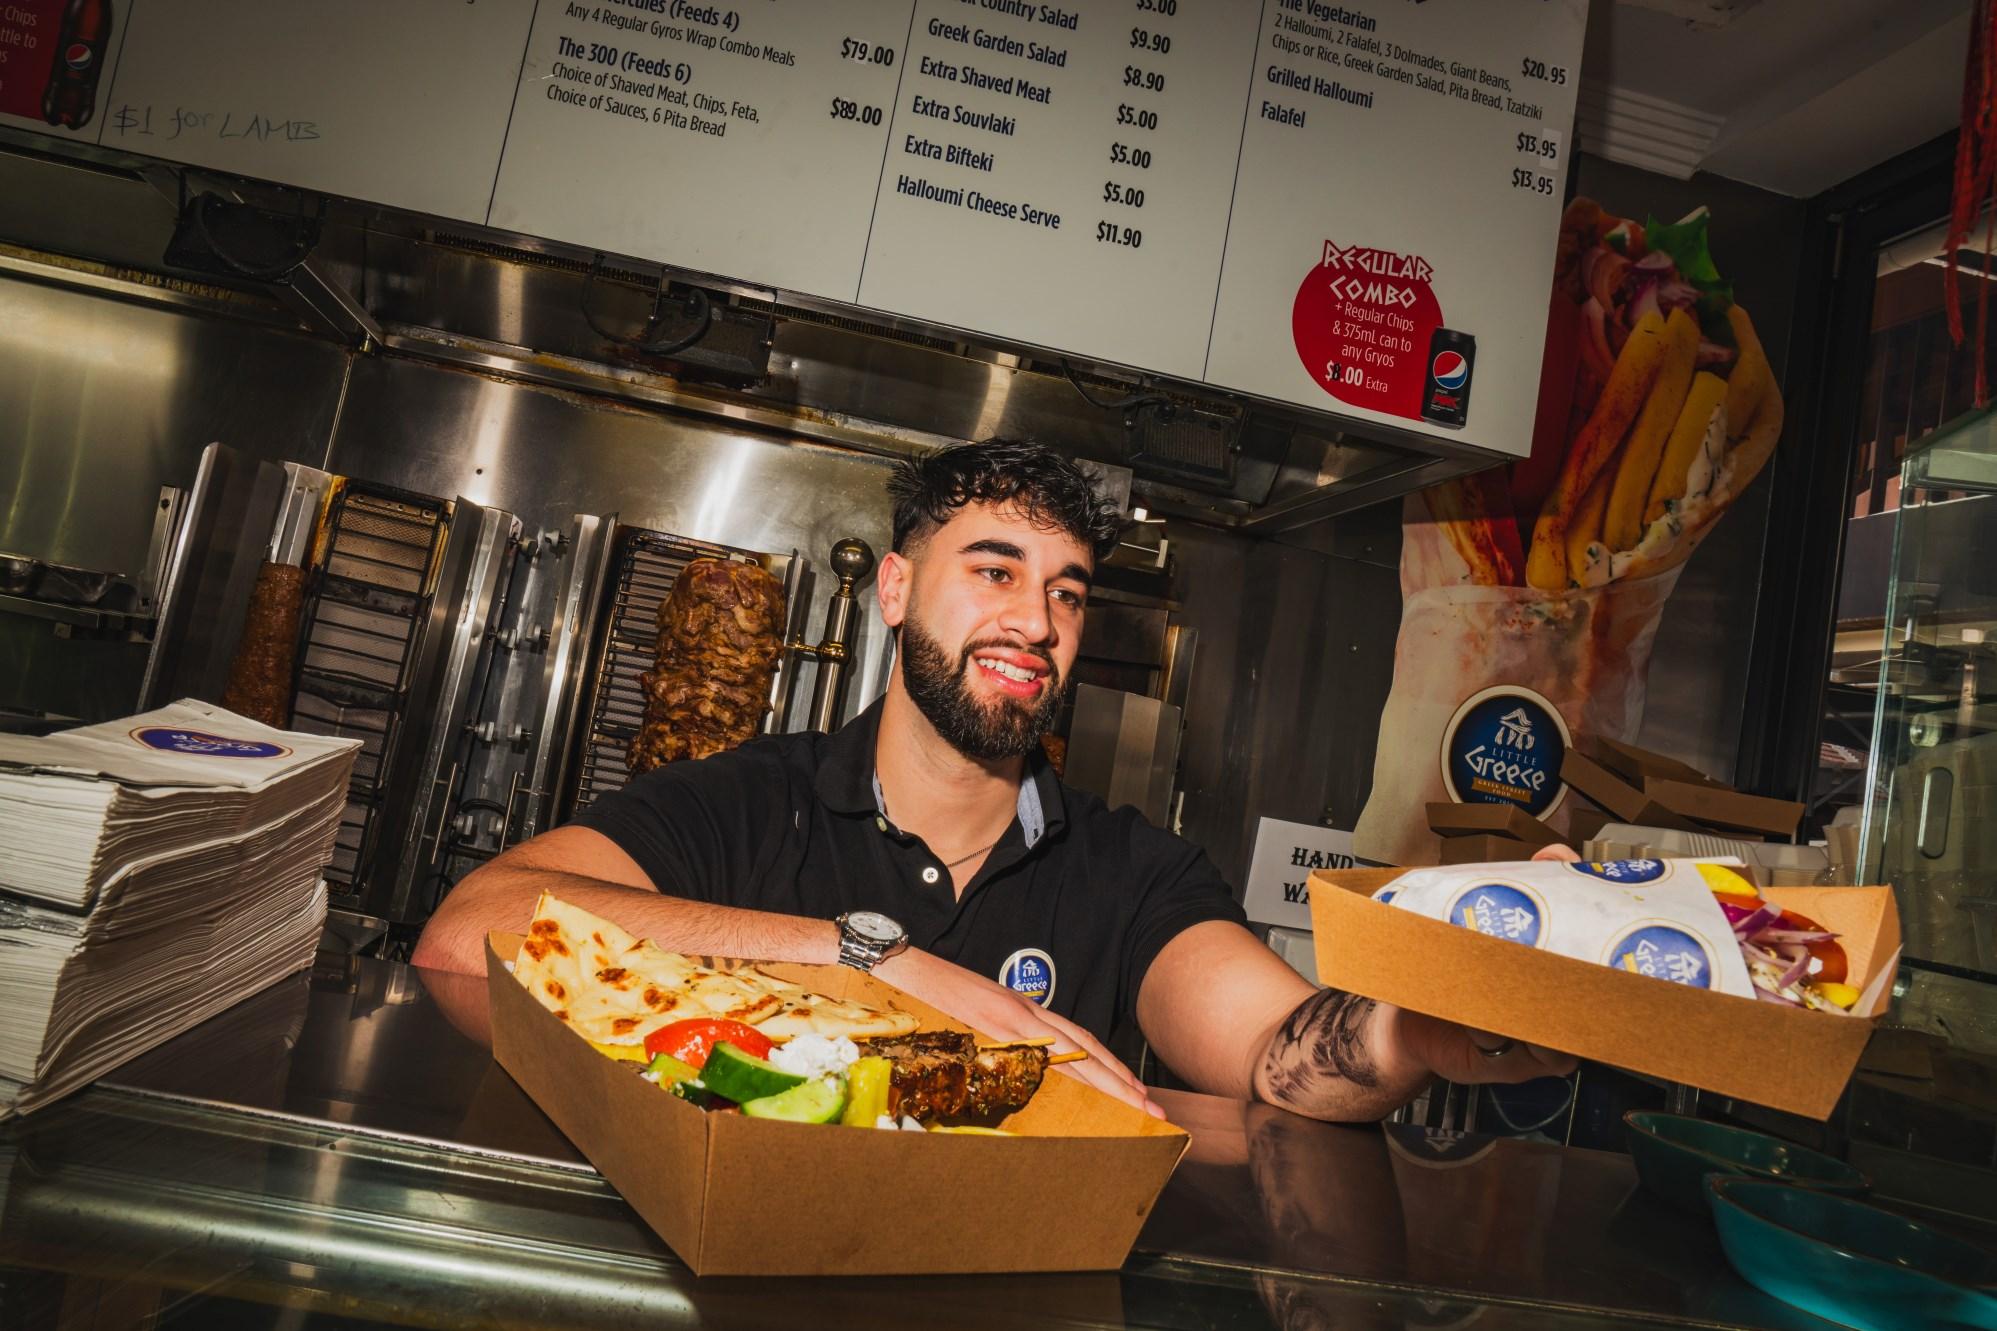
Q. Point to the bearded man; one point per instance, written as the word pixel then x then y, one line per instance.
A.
pixel 930 843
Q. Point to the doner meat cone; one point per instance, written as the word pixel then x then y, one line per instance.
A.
pixel 720 635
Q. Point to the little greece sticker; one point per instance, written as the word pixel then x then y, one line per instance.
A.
pixel 1029 973
pixel 1501 910
pixel 175 740
pixel 1622 871
pixel 1664 952
pixel 1505 745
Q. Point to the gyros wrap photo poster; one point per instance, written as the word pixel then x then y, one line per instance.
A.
pixel 1532 594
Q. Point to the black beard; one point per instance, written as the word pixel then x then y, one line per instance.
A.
pixel 1008 729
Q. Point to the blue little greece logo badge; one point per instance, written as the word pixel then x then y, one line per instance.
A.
pixel 1501 910
pixel 1622 871
pixel 1029 973
pixel 1664 952
pixel 1505 745
pixel 208 746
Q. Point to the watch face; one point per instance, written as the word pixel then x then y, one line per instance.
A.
pixel 873 926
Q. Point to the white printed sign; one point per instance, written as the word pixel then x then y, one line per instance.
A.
pixel 1350 207
pixel 1279 871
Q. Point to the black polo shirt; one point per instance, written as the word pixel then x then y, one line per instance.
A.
pixel 1070 907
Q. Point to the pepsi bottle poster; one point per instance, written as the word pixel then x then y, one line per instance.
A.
pixel 1532 595
pixel 52 57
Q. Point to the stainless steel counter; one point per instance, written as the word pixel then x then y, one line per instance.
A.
pixel 342 1151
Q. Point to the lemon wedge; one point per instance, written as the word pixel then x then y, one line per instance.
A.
pixel 1726 882
pixel 634 1053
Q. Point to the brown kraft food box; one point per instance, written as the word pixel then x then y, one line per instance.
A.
pixel 1625 801
pixel 1719 807
pixel 1787 1058
pixel 1637 765
pixel 1485 849
pixel 733 1195
pixel 1502 820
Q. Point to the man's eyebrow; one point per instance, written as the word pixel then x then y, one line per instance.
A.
pixel 1003 549
pixel 1007 550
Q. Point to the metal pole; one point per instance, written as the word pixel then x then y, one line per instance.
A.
pixel 852 560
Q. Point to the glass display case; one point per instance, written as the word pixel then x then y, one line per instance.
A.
pixel 1930 828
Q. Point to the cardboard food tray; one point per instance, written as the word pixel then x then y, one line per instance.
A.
pixel 1787 1058
pixel 741 1196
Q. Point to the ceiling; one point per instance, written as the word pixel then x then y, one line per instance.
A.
pixel 1795 96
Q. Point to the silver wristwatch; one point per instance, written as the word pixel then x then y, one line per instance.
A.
pixel 867 938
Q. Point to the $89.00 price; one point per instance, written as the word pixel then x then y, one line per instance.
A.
pixel 846 109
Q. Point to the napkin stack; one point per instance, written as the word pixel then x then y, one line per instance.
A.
pixel 153 871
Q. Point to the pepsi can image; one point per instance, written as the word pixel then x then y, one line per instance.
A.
pixel 1445 397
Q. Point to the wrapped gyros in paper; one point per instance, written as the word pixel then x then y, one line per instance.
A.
pixel 1651 917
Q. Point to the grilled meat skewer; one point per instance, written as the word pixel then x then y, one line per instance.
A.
pixel 945 1074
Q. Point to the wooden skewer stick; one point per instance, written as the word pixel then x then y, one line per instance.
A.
pixel 1072 1056
pixel 1037 1042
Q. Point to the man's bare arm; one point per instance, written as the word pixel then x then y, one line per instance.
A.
pixel 588 869
pixel 1227 1014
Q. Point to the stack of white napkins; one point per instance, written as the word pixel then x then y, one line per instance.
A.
pixel 153 871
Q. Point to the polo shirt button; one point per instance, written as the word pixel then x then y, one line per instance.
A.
pixel 930 875
pixel 881 823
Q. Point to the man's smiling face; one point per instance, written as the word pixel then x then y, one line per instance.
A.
pixel 990 611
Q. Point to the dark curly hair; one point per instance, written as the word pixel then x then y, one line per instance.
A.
pixel 1048 490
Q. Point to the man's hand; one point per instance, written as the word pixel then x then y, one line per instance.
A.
pixel 1459 1054
pixel 1356 1057
pixel 997 1012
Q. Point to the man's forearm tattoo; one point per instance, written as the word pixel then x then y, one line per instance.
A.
pixel 1323 1039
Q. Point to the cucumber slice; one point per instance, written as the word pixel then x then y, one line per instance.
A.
pixel 670 1070
pixel 816 1101
pixel 698 1095
pixel 741 1077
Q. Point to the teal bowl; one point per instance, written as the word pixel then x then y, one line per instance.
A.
pixel 1674 1154
pixel 1849 1262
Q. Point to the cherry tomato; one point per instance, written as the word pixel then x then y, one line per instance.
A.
pixel 1827 959
pixel 692 1040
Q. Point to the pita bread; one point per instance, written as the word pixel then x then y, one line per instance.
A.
pixel 616 989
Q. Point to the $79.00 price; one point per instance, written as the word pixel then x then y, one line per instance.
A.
pixel 851 48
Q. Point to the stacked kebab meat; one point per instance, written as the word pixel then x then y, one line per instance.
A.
pixel 720 635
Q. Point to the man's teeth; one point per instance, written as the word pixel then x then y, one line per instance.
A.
pixel 1009 670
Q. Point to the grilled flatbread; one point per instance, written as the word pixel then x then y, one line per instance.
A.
pixel 616 989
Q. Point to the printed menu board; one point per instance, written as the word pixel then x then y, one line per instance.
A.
pixel 1348 207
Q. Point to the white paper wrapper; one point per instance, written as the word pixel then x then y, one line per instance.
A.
pixel 1586 652
pixel 1652 917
